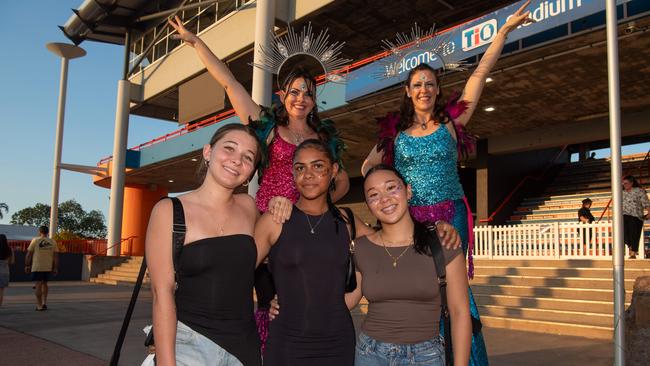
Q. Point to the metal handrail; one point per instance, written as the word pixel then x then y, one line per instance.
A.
pixel 129 239
pixel 520 184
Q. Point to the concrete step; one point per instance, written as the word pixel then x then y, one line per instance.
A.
pixel 568 282
pixel 552 272
pixel 566 197
pixel 549 292
pixel 549 327
pixel 556 263
pixel 120 277
pixel 124 270
pixel 601 307
pixel 572 317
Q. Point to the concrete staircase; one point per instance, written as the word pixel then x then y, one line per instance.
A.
pixel 125 273
pixel 577 181
pixel 568 297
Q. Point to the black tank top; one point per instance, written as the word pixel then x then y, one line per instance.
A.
pixel 215 293
pixel 314 326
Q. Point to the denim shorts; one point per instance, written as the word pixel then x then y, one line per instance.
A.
pixel 371 352
pixel 194 349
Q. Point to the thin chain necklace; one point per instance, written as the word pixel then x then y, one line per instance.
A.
pixel 312 227
pixel 395 259
pixel 424 125
pixel 298 137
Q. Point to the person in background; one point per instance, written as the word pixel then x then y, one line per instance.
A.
pixel 635 201
pixel 6 259
pixel 42 262
pixel 585 217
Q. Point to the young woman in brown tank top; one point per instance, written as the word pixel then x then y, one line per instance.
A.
pixel 397 275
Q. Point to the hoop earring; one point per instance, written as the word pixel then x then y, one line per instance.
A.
pixel 207 163
pixel 311 116
pixel 247 183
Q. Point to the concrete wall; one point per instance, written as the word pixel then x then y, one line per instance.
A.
pixel 69 268
pixel 226 38
pixel 506 171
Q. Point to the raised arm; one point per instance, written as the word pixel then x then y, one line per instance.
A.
pixel 244 105
pixel 476 82
pixel 158 251
pixel 458 302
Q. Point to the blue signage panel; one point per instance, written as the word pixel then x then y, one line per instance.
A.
pixel 469 40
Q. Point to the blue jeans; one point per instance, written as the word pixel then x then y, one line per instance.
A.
pixel 194 349
pixel 371 352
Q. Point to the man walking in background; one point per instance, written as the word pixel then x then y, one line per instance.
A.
pixel 42 260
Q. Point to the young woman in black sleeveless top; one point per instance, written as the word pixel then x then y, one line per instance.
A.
pixel 308 260
pixel 208 319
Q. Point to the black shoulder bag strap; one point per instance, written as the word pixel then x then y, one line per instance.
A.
pixel 353 226
pixel 178 238
pixel 178 234
pixel 351 274
pixel 439 260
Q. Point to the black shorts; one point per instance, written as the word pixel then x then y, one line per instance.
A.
pixel 41 276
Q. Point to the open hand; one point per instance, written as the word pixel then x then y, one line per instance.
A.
pixel 280 208
pixel 183 34
pixel 449 237
pixel 521 16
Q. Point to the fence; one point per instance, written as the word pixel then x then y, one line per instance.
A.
pixel 547 241
pixel 84 246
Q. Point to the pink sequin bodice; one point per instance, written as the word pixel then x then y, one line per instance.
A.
pixel 277 179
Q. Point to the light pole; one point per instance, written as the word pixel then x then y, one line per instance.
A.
pixel 66 52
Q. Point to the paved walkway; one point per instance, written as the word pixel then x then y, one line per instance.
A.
pixel 84 319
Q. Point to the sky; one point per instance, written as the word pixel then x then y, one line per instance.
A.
pixel 29 75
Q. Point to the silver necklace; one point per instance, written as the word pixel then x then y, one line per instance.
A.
pixel 298 137
pixel 312 227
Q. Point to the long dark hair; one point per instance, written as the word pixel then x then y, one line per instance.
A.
pixel 420 232
pixel 407 111
pixel 260 154
pixel 5 251
pixel 313 119
pixel 320 146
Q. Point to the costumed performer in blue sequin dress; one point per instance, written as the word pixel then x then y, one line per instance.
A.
pixel 423 142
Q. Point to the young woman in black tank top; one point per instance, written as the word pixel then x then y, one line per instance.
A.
pixel 208 319
pixel 308 259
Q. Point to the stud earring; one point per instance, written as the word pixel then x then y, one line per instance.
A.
pixel 207 163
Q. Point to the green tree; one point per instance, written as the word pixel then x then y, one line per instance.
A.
pixel 5 208
pixel 74 221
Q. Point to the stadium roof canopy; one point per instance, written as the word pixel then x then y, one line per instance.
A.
pixel 107 20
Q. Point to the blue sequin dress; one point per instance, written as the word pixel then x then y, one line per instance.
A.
pixel 429 164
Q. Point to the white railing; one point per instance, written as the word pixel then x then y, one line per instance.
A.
pixel 547 241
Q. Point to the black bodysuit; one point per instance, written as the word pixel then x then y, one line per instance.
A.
pixel 314 326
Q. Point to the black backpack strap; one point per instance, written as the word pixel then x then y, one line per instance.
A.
pixel 353 226
pixel 178 233
pixel 441 270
